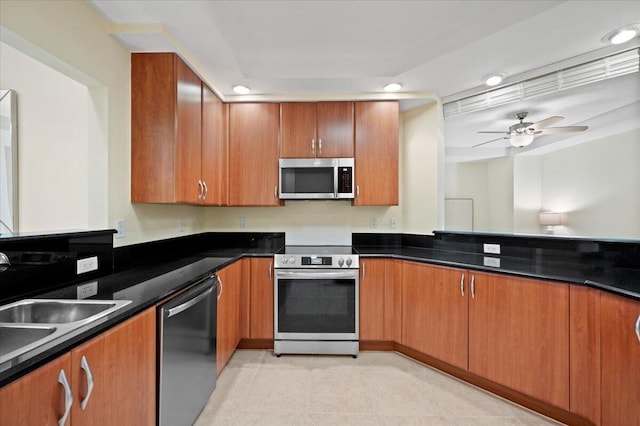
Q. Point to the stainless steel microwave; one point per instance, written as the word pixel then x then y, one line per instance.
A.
pixel 316 178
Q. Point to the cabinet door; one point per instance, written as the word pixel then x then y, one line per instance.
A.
pixel 298 129
pixel 376 153
pixel 253 154
pixel 214 148
pixel 37 398
pixel 620 360
pixel 261 304
pixel 153 128
pixel 229 321
pixel 334 123
pixel 435 312
pixel 584 356
pixel 188 134
pixel 393 300
pixel 372 274
pixel 122 364
pixel 519 335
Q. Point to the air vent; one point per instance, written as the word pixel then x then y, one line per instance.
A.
pixel 601 69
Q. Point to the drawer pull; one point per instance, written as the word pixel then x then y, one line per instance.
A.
pixel 462 285
pixel 68 397
pixel 473 286
pixel 84 364
pixel 638 328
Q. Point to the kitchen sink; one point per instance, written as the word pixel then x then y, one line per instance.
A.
pixel 40 311
pixel 17 337
pixel 30 326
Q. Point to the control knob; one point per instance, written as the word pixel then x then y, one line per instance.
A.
pixel 340 262
pixel 349 261
pixel 284 260
pixel 292 260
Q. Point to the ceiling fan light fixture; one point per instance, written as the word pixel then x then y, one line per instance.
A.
pixel 622 35
pixel 493 79
pixel 392 87
pixel 520 140
pixel 241 90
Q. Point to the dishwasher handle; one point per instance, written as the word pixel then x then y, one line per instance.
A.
pixel 200 291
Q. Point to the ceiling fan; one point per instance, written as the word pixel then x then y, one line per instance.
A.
pixel 522 134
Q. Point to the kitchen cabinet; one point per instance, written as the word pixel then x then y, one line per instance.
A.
pixel 122 365
pixel 393 300
pixel 376 153
pixel 435 312
pixel 519 335
pixel 261 302
pixel 372 286
pixel 620 348
pixel 229 328
pixel 37 398
pixel 317 129
pixel 177 133
pixel 253 154
pixel 584 355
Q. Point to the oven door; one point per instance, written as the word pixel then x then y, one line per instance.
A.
pixel 316 304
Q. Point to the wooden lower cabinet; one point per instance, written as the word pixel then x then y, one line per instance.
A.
pixel 372 286
pixel 393 300
pixel 435 312
pixel 122 362
pixel 229 319
pixel 261 301
pixel 519 335
pixel 620 349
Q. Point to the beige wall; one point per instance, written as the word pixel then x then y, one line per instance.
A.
pixel 72 38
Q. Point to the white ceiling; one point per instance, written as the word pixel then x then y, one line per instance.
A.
pixel 315 50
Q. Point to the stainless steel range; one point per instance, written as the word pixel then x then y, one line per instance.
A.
pixel 316 295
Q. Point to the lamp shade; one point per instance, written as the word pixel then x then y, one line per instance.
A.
pixel 521 139
pixel 550 218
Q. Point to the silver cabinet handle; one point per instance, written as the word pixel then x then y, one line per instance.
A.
pixel 221 287
pixel 206 190
pixel 357 191
pixel 462 284
pixel 84 364
pixel 638 328
pixel 319 146
pixel 68 397
pixel 189 303
pixel 364 271
pixel 473 286
pixel 200 190
pixel 270 273
pixel 275 192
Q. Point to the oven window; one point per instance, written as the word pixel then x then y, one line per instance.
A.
pixel 316 306
pixel 307 180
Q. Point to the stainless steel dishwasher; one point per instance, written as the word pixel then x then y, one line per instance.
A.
pixel 187 353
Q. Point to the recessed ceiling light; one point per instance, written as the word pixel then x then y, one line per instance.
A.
pixel 392 87
pixel 241 90
pixel 493 79
pixel 622 35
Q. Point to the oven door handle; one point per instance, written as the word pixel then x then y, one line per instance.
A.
pixel 315 275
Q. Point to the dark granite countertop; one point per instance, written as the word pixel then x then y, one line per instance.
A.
pixel 144 285
pixel 612 278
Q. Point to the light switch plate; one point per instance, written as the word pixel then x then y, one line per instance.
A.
pixel 393 223
pixel 492 248
pixel 87 265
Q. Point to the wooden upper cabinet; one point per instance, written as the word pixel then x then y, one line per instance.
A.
pixel 620 348
pixel 317 129
pixel 519 335
pixel 178 134
pixel 376 153
pixel 253 154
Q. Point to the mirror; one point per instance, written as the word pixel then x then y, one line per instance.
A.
pixel 8 162
pixel 580 184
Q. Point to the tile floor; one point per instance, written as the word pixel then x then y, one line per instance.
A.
pixel 377 388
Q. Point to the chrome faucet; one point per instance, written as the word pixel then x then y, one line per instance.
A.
pixel 4 262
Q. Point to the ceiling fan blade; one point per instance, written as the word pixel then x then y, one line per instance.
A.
pixel 492 140
pixel 546 122
pixel 568 129
pixel 492 131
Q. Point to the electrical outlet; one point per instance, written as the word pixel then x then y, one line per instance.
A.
pixel 393 223
pixel 120 228
pixel 181 224
pixel 492 248
pixel 87 265
pixel 243 222
pixel 87 290
pixel 373 222
pixel 492 261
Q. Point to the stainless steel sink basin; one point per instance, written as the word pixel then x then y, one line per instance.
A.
pixel 42 311
pixel 30 326
pixel 17 337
